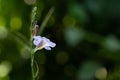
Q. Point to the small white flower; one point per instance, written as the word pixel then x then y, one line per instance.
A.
pixel 42 42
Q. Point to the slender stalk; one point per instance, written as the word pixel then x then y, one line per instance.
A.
pixel 31 39
pixel 32 61
pixel 50 12
pixel 32 65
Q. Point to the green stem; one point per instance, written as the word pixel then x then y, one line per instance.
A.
pixel 31 39
pixel 32 65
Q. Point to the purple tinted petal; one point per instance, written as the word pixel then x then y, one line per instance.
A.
pixel 37 37
pixel 47 48
pixel 37 40
pixel 52 44
pixel 46 40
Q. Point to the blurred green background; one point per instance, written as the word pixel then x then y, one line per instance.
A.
pixel 87 34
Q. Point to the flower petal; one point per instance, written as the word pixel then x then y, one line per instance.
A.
pixel 42 42
pixel 37 40
pixel 47 48
pixel 52 44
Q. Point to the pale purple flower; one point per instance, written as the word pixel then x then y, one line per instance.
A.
pixel 42 42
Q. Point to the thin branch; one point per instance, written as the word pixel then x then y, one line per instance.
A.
pixel 46 20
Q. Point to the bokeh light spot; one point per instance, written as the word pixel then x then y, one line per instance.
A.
pixel 73 36
pixel 3 32
pixel 62 58
pixel 25 52
pixel 101 73
pixel 87 70
pixel 5 68
pixel 111 43
pixel 15 23
pixel 30 2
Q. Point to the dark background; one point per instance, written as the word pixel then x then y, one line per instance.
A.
pixel 87 34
